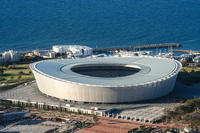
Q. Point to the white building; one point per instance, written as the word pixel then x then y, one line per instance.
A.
pixel 196 59
pixel 41 53
pixel 44 53
pixel 36 52
pixel 14 55
pixel 52 54
pixel 6 56
pixel 76 50
pixel 11 55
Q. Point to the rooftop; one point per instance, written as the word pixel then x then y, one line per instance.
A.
pixel 151 69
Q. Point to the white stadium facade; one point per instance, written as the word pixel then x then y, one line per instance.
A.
pixel 108 79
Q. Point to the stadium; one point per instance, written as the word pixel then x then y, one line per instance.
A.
pixel 108 79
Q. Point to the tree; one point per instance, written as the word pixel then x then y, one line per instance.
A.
pixel 44 106
pixel 142 128
pixel 21 72
pixel 29 72
pixel 29 103
pixel 60 107
pixel 6 65
pixel 134 130
pixel 14 66
pixel 95 118
pixel 7 104
pixel 1 71
pixel 36 105
pixel 184 63
pixel 19 77
pixel 18 103
pixel 11 78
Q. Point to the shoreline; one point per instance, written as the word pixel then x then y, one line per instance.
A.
pixel 128 47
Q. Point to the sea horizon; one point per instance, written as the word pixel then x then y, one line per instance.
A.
pixel 29 25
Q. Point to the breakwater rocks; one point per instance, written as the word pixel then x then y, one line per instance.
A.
pixel 184 51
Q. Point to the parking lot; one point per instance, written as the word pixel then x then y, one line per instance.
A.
pixel 31 126
pixel 145 114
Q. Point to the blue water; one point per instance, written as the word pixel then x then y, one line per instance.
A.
pixel 32 24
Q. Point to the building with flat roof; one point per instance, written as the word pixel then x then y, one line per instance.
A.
pixel 11 56
pixel 107 80
pixel 76 50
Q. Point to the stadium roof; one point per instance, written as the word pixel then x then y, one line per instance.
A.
pixel 152 69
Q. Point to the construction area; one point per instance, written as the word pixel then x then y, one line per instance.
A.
pixel 111 125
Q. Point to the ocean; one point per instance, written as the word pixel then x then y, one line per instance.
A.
pixel 39 24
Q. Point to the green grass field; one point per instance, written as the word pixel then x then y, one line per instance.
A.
pixel 16 73
pixel 189 75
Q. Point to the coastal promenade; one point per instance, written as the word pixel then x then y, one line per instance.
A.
pixel 151 46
